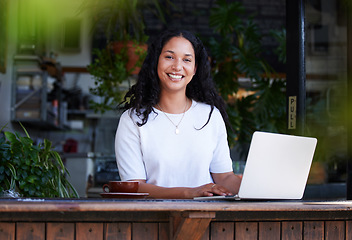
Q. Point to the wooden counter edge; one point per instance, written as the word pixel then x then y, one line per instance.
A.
pixel 100 206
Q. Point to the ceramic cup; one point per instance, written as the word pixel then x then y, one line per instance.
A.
pixel 121 186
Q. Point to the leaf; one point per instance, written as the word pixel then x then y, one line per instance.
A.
pixel 26 141
pixel 11 137
pixel 70 188
pixel 56 156
pixel 47 145
pixel 224 18
pixel 24 129
pixel 32 178
pixel 3 127
pixel 24 174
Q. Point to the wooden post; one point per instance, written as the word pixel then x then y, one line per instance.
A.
pixel 189 225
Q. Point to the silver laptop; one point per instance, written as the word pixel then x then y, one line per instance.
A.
pixel 277 167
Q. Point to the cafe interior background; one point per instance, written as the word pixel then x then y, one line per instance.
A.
pixel 48 70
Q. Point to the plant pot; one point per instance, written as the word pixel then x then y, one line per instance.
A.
pixel 134 53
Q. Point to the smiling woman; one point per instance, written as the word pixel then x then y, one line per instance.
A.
pixel 172 136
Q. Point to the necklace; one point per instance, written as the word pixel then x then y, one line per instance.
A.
pixel 177 130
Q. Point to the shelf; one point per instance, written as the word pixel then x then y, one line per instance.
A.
pixel 43 125
pixel 70 69
pixel 31 103
pixel 79 112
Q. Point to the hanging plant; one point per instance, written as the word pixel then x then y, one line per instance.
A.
pixel 110 70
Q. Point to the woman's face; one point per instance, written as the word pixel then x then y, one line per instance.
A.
pixel 176 65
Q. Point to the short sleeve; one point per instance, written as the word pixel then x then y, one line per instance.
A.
pixel 128 149
pixel 221 161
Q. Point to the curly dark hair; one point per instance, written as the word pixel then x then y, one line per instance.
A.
pixel 146 92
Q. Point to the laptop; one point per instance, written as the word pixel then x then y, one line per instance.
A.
pixel 277 167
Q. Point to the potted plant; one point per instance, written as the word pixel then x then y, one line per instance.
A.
pixel 259 103
pixel 29 170
pixel 123 25
pixel 109 71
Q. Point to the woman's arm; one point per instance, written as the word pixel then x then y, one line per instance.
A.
pixel 154 191
pixel 228 180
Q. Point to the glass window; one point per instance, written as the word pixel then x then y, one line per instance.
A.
pixel 326 87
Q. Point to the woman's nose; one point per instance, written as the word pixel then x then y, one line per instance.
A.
pixel 177 65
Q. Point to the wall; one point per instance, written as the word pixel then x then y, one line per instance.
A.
pixel 193 15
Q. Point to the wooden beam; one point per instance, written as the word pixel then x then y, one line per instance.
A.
pixel 189 225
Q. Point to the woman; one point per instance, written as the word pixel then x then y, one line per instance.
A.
pixel 172 136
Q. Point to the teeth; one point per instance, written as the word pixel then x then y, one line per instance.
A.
pixel 175 76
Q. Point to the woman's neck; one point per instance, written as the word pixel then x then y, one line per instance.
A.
pixel 174 104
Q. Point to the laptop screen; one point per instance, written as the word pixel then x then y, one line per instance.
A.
pixel 277 166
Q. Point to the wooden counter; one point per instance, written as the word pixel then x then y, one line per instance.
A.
pixel 173 219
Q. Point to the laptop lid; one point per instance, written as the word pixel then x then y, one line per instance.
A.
pixel 277 166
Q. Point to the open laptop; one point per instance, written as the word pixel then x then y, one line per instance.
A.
pixel 277 167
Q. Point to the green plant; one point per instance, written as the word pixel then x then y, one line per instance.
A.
pixel 122 22
pixel 109 71
pixel 280 37
pixel 259 102
pixel 32 170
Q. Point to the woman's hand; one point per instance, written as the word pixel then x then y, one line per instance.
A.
pixel 209 189
pixel 229 180
pixel 205 190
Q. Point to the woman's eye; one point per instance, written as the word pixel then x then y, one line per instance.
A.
pixel 188 60
pixel 168 57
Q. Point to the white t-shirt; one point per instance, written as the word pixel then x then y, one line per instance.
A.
pixel 155 153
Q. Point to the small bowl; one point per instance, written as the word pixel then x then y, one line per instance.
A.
pixel 121 187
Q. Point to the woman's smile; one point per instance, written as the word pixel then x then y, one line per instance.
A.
pixel 175 77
